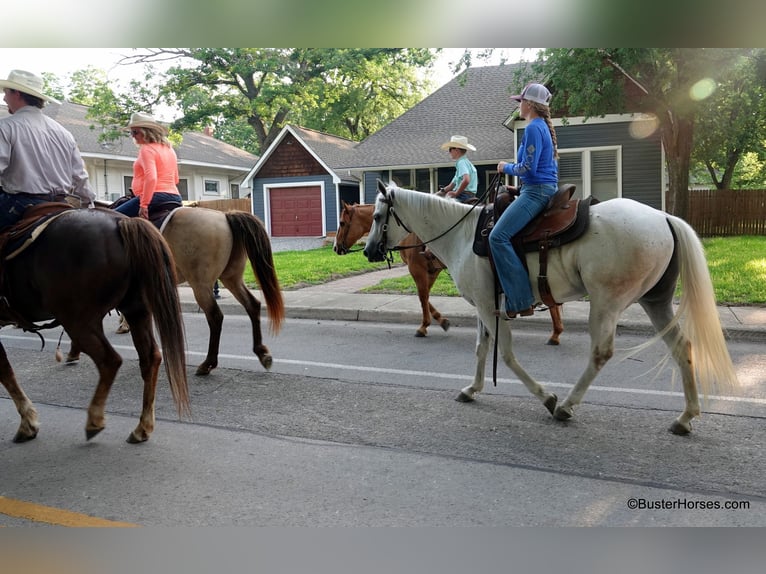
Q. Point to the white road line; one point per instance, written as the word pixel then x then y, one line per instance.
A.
pixel 436 375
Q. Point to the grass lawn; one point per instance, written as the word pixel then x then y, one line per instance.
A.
pixel 737 266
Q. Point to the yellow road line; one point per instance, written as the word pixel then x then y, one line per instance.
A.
pixel 57 516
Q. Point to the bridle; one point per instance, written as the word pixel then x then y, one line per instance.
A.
pixel 348 249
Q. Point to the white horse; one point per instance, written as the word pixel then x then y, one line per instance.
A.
pixel 630 253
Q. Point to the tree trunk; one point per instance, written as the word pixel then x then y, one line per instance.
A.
pixel 677 138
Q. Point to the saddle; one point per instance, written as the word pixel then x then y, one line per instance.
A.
pixel 35 219
pixel 157 213
pixel 562 221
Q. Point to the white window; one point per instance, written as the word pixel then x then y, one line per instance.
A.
pixel 594 171
pixel 211 187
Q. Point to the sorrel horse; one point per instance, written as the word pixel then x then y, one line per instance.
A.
pixel 630 252
pixel 85 263
pixel 208 245
pixel 356 221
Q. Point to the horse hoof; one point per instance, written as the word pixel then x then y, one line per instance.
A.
pixel 24 437
pixel 464 398
pixel 445 324
pixel 133 439
pixel 203 371
pixel 550 403
pixel 562 414
pixel 680 429
pixel 72 359
pixel 90 433
pixel 266 361
pixel 419 333
pixel 552 342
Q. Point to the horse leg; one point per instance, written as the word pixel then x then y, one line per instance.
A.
pixel 203 294
pixel 29 425
pixel 420 276
pixel 506 352
pixel 468 394
pixel 90 339
pixel 242 294
pixel 660 315
pixel 149 359
pixel 602 326
pixel 558 325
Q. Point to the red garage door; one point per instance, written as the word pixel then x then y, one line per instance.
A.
pixel 296 211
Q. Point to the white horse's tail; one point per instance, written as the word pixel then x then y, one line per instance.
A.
pixel 700 322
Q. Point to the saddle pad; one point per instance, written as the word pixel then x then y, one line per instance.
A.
pixel 169 216
pixel 16 245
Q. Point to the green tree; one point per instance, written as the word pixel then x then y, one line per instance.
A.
pixel 660 81
pixel 109 110
pixel 732 122
pixel 348 92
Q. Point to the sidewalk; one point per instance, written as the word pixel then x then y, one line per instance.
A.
pixel 339 300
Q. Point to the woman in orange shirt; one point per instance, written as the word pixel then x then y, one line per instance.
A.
pixel 155 171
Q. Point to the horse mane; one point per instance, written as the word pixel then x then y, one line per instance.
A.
pixel 438 208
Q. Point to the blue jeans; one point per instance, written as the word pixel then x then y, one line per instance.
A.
pixel 514 279
pixel 12 206
pixel 131 207
pixel 465 196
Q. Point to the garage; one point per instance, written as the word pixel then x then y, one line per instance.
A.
pixel 296 211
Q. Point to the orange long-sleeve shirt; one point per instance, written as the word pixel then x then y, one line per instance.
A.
pixel 155 170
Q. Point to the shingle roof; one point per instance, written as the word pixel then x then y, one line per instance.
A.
pixel 475 108
pixel 196 148
pixel 334 151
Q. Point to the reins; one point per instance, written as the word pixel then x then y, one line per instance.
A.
pixel 481 200
pixel 485 198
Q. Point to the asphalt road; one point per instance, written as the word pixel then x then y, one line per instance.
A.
pixel 355 426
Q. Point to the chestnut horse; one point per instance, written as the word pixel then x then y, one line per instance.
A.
pixel 208 245
pixel 83 264
pixel 356 221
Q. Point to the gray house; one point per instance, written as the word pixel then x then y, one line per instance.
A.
pixel 611 156
pixel 209 169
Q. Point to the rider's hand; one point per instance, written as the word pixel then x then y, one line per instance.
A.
pixel 143 212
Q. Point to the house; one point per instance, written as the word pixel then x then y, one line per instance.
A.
pixel 615 155
pixel 298 184
pixel 208 168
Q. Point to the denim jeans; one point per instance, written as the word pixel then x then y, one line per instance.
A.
pixel 131 207
pixel 510 270
pixel 12 206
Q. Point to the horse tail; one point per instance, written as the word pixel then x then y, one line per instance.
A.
pixel 701 324
pixel 248 232
pixel 153 271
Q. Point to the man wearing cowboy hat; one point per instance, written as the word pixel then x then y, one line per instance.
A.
pixel 39 159
pixel 463 186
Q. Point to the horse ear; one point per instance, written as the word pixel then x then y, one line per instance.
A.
pixel 381 187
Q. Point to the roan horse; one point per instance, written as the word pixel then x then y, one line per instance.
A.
pixel 356 221
pixel 630 252
pixel 208 245
pixel 85 263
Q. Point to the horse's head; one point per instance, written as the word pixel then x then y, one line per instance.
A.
pixel 386 232
pixel 355 221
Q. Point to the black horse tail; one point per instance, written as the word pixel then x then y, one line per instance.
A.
pixel 153 270
pixel 248 232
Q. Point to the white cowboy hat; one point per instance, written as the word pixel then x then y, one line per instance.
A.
pixel 28 83
pixel 460 142
pixel 139 120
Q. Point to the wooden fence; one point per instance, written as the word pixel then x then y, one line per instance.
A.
pixel 722 212
pixel 225 204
